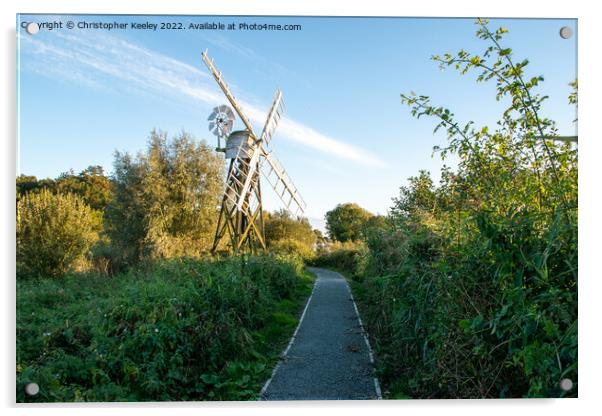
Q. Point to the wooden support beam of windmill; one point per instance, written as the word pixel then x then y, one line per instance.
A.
pixel 245 229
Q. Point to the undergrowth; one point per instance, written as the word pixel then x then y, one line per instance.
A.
pixel 174 330
pixel 470 288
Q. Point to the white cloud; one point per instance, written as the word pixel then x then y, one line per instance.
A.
pixel 98 60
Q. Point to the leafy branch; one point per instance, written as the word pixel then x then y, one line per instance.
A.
pixel 521 127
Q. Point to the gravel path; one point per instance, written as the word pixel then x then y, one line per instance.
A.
pixel 329 357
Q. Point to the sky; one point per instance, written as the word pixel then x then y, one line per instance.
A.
pixel 344 137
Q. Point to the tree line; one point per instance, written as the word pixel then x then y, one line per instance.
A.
pixel 160 203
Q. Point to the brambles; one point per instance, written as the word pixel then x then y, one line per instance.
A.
pixel 54 233
pixel 181 330
pixel 471 289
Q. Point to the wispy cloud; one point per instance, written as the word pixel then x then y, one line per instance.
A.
pixel 221 41
pixel 100 60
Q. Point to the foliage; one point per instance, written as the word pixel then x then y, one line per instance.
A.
pixel 165 200
pixel 288 235
pixel 180 330
pixel 320 239
pixel 54 233
pixel 347 257
pixel 281 224
pixel 292 246
pixel 90 184
pixel 470 290
pixel 346 222
pixel 27 184
pixel 417 198
pixel 373 224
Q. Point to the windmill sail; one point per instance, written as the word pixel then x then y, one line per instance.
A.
pixel 273 117
pixel 222 84
pixel 266 135
pixel 284 186
pixel 249 160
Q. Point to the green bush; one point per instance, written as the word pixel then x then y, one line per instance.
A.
pixel 289 246
pixel 472 292
pixel 346 222
pixel 289 235
pixel 347 257
pixel 54 233
pixel 180 330
pixel 164 200
pixel 494 317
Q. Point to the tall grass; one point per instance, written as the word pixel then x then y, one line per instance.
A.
pixel 176 330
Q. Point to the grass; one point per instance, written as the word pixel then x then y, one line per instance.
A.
pixel 390 390
pixel 462 325
pixel 174 330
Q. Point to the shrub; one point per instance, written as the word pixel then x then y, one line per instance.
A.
pixel 164 200
pixel 54 233
pixel 181 330
pixel 492 317
pixel 480 299
pixel 289 235
pixel 289 246
pixel 347 257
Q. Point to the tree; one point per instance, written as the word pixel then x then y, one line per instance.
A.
pixel 55 232
pixel 418 196
pixel 346 221
pixel 320 239
pixel 281 225
pixel 27 184
pixel 373 224
pixel 287 234
pixel 166 199
pixel 485 265
pixel 91 184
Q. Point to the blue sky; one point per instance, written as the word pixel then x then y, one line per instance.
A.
pixel 345 137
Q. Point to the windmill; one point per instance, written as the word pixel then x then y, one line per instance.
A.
pixel 241 214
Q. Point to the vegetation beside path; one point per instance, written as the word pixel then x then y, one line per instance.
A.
pixel 118 298
pixel 173 330
pixel 468 288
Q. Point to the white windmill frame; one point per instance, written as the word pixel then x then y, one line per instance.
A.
pixel 241 213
